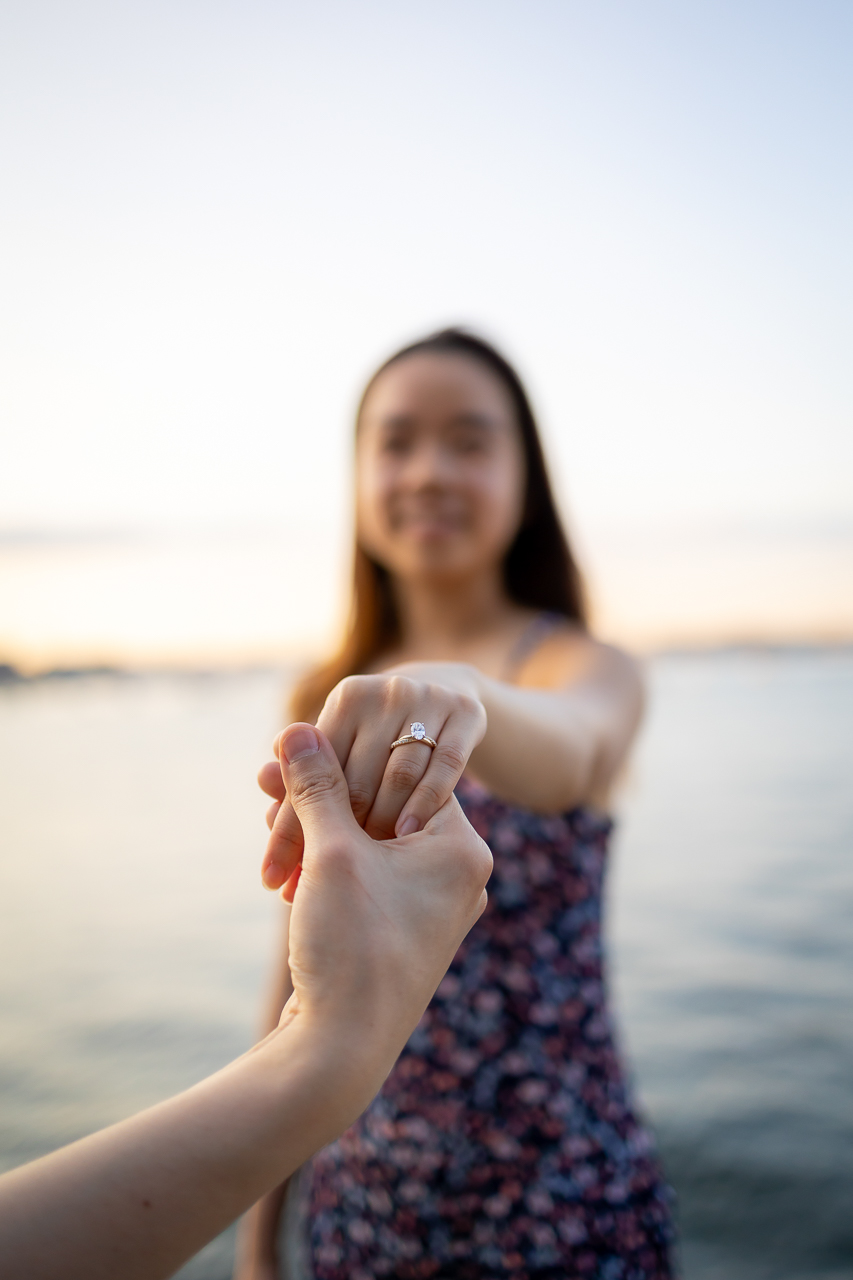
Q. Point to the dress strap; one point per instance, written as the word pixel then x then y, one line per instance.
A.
pixel 529 640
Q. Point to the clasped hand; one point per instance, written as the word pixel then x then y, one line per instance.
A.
pixel 374 924
pixel 392 793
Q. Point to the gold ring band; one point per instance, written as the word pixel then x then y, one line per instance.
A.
pixel 410 737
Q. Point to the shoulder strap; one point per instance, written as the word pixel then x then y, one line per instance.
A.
pixel 529 640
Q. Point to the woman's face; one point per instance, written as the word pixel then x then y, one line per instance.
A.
pixel 440 468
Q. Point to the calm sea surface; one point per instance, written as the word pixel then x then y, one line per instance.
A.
pixel 134 933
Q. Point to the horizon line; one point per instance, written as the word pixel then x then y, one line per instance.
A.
pixel 13 671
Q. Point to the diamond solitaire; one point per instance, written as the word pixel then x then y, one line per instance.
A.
pixel 418 730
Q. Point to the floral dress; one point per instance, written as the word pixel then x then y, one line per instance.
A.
pixel 504 1142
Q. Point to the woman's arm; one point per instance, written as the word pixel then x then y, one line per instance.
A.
pixel 555 740
pixel 373 929
pixel 551 748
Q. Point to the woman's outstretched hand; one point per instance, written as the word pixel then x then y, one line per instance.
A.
pixel 391 793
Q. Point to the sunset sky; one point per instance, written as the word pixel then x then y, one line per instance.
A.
pixel 218 217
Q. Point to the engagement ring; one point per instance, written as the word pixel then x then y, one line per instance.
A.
pixel 418 734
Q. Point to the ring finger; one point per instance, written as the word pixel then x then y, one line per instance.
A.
pixel 404 773
pixel 444 767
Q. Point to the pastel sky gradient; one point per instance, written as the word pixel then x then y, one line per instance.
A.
pixel 217 217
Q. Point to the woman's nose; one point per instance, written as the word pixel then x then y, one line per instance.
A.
pixel 429 464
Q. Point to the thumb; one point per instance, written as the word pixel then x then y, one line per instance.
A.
pixel 316 786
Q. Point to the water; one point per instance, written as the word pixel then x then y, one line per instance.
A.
pixel 134 934
pixel 732 927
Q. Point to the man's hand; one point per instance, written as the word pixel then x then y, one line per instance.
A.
pixel 374 924
pixel 373 928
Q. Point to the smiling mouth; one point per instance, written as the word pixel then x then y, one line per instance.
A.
pixel 428 525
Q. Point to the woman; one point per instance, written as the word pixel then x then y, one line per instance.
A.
pixel 504 1142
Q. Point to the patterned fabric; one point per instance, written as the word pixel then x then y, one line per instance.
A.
pixel 504 1143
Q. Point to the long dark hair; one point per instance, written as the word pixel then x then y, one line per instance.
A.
pixel 539 568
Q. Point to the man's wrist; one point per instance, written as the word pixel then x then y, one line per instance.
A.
pixel 330 1068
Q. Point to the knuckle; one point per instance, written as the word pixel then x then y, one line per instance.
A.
pixel 432 793
pixel 313 790
pixel 349 694
pixel 351 691
pixel 404 774
pixel 471 707
pixel 347 691
pixel 477 861
pixel 285 820
pixel 451 756
pixel 485 861
pixel 398 689
pixel 360 799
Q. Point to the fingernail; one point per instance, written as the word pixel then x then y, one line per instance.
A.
pixel 408 827
pixel 272 877
pixel 299 742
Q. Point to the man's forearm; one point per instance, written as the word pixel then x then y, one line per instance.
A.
pixel 140 1198
pixel 374 928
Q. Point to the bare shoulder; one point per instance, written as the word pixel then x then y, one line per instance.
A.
pixel 569 656
pixel 620 669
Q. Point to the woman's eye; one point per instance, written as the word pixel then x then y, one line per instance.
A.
pixel 470 442
pixel 397 444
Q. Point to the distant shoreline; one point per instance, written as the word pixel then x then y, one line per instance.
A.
pixel 12 674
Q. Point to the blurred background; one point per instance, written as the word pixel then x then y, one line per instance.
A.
pixel 217 219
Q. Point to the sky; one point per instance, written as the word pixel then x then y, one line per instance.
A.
pixel 217 218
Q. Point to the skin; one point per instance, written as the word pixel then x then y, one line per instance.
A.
pixel 440 484
pixel 373 930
